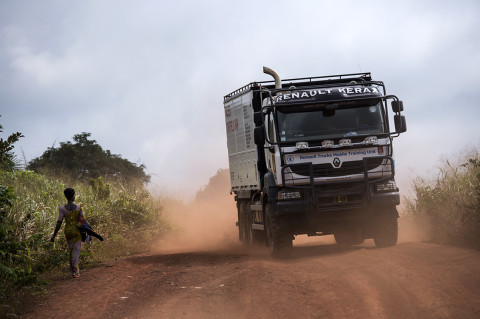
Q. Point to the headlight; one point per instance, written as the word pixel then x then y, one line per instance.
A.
pixel 386 187
pixel 289 195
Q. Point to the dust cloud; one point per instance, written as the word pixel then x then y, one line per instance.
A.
pixel 206 223
pixel 410 230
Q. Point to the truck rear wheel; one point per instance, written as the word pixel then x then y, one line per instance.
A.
pixel 279 240
pixel 251 236
pixel 386 230
pixel 254 237
pixel 242 233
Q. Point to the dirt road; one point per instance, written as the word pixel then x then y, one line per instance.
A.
pixel 322 280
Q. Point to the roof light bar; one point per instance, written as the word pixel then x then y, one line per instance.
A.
pixel 345 142
pixel 327 144
pixel 302 145
pixel 371 140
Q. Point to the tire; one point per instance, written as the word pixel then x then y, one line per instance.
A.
pixel 386 231
pixel 242 235
pixel 349 237
pixel 279 240
pixel 254 237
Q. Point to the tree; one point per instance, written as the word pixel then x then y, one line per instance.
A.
pixel 218 184
pixel 85 159
pixel 8 160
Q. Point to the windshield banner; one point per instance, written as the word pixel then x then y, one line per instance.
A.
pixel 336 158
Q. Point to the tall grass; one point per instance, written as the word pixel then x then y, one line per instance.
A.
pixel 125 215
pixel 448 205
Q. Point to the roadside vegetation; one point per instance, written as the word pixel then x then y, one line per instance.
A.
pixel 447 207
pixel 115 202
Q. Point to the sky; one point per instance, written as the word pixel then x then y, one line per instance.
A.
pixel 147 78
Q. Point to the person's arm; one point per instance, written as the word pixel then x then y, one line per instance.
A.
pixel 58 225
pixel 57 228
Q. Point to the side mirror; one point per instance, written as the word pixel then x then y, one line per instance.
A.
pixel 397 106
pixel 400 123
pixel 257 118
pixel 259 135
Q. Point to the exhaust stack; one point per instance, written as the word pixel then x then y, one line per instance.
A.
pixel 278 82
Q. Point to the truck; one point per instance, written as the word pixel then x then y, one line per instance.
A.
pixel 314 156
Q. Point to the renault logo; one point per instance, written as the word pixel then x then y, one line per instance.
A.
pixel 336 162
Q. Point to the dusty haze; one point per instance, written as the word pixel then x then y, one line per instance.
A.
pixel 208 222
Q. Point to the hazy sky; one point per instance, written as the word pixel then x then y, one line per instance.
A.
pixel 147 78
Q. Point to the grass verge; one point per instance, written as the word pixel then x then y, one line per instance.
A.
pixel 447 206
pixel 127 216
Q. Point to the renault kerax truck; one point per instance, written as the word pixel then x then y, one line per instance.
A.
pixel 314 156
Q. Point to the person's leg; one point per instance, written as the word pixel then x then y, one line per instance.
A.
pixel 74 250
pixel 70 251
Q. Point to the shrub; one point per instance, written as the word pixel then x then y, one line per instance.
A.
pixel 126 216
pixel 450 203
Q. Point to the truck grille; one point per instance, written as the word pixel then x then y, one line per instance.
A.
pixel 326 170
pixel 329 200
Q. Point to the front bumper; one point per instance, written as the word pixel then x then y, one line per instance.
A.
pixel 321 198
pixel 340 201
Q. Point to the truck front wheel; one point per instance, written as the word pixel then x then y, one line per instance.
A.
pixel 279 240
pixel 386 230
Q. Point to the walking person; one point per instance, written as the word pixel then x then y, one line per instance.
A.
pixel 71 212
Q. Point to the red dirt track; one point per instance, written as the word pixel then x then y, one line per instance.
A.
pixel 321 280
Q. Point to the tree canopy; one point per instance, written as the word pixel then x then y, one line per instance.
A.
pixel 84 159
pixel 218 184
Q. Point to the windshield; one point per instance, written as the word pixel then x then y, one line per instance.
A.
pixel 317 125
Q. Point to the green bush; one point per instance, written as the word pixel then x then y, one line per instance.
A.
pixel 126 216
pixel 449 205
